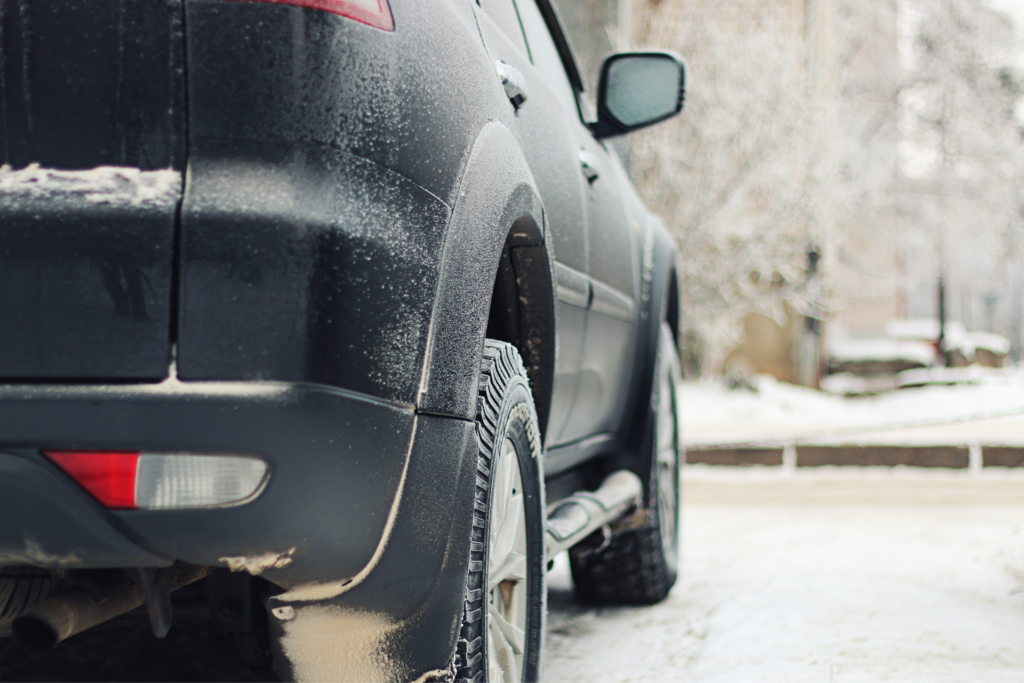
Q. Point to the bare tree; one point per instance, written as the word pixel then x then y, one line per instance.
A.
pixel 744 177
pixel 907 141
pixel 961 156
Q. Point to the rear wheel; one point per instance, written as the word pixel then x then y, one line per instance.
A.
pixel 503 618
pixel 639 564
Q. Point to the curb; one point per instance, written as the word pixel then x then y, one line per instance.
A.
pixel 812 455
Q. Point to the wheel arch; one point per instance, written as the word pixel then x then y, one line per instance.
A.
pixel 659 301
pixel 674 311
pixel 522 310
pixel 497 277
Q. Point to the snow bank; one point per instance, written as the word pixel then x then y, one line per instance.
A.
pixel 972 374
pixel 778 413
pixel 881 350
pixel 923 329
pixel 956 337
pixel 113 185
pixel 851 384
pixel 989 341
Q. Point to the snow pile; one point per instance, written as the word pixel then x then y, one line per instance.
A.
pixel 778 413
pixel 972 374
pixel 923 329
pixel 711 406
pixel 883 350
pixel 989 341
pixel 113 185
pixel 852 384
pixel 955 336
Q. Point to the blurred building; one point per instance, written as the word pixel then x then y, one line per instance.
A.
pixel 926 187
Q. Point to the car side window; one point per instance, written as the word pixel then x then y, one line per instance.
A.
pixel 544 53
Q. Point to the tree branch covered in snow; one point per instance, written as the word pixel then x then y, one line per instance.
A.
pixel 743 177
pixel 961 156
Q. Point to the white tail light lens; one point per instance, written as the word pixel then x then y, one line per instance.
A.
pixel 171 480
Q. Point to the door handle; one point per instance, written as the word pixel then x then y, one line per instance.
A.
pixel 513 82
pixel 590 166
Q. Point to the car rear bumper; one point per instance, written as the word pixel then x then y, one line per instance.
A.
pixel 336 460
pixel 371 496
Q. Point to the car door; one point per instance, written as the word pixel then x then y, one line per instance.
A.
pixel 606 361
pixel 606 365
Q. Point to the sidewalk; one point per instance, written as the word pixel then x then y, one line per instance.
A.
pixel 960 427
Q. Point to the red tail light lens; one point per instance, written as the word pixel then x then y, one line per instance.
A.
pixel 376 13
pixel 108 476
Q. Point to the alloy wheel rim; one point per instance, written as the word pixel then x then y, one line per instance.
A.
pixel 506 581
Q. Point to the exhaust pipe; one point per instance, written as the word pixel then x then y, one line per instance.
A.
pixel 80 607
pixel 583 513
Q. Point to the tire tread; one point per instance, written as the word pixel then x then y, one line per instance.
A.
pixel 632 569
pixel 501 364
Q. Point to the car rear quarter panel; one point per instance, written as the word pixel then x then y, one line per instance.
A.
pixel 302 263
pixel 411 100
pixel 325 157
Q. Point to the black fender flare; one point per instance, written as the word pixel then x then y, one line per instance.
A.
pixel 497 204
pixel 659 294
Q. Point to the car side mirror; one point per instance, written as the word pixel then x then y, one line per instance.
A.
pixel 638 89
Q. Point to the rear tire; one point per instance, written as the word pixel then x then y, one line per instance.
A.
pixel 503 617
pixel 639 564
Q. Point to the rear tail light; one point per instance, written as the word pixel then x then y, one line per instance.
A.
pixel 163 481
pixel 376 13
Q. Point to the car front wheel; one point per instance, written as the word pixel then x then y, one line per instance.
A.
pixel 640 563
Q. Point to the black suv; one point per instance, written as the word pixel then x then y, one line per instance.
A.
pixel 345 309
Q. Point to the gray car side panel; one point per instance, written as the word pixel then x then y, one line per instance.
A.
pixel 657 267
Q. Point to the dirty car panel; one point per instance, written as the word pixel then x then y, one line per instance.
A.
pixel 92 140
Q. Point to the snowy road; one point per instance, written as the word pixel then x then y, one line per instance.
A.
pixel 843 576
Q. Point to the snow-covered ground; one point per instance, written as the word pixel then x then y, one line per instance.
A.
pixel 873 576
pixel 830 574
pixel 989 411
